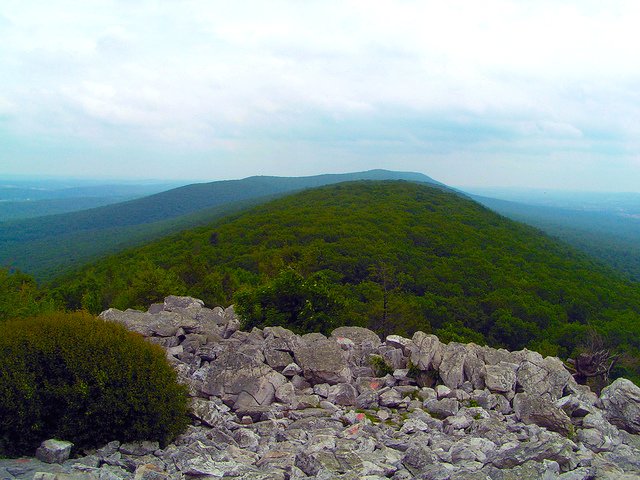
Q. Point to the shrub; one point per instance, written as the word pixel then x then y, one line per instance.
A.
pixel 380 366
pixel 78 378
pixel 290 300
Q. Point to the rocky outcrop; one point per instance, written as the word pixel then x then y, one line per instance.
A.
pixel 621 402
pixel 269 404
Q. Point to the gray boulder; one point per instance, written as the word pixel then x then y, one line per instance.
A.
pixel 54 451
pixel 358 335
pixel 540 411
pixel 322 360
pixel 173 302
pixel 500 378
pixel 545 377
pixel 427 351
pixel 239 375
pixel 452 365
pixel 342 394
pixel 621 404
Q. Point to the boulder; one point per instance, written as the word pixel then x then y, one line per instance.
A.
pixel 539 410
pixel 173 302
pixel 452 365
pixel 621 404
pixel 361 337
pixel 54 451
pixel 342 394
pixel 427 350
pixel 235 373
pixel 149 472
pixel 547 376
pixel 321 360
pixel 500 378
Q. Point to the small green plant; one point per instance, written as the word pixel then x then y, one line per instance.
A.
pixel 472 403
pixel 78 378
pixel 380 366
pixel 414 371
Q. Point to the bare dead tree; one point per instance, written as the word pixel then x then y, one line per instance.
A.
pixel 592 365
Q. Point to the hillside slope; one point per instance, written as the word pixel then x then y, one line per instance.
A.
pixel 392 256
pixel 48 245
pixel 606 235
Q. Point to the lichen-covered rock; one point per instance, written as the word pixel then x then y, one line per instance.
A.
pixel 54 451
pixel 621 403
pixel 322 361
pixel 500 378
pixel 545 377
pixel 427 352
pixel 541 411
pixel 238 376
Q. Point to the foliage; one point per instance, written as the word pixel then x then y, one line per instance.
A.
pixel 48 245
pixel 290 300
pixel 75 377
pixel 380 367
pixel 401 257
pixel 20 296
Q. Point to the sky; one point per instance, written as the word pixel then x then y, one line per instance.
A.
pixel 527 93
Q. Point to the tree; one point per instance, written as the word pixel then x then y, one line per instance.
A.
pixel 291 301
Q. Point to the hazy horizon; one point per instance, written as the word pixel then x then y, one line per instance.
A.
pixel 501 93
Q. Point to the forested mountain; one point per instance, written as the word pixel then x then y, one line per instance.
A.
pixel 610 236
pixel 45 246
pixel 393 256
pixel 28 198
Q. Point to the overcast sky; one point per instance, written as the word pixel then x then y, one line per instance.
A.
pixel 490 93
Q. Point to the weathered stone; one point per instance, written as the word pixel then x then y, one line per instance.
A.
pixel 574 407
pixel 427 354
pixel 393 357
pixel 542 412
pixel 442 408
pixel 442 391
pixel 473 369
pixel 54 451
pixel 237 373
pixel 149 472
pixel 547 376
pixel 322 361
pixel 501 377
pixel 358 335
pixel 173 302
pixel 206 411
pixel 452 365
pixel 139 448
pixel 418 456
pixel 391 398
pixel 285 393
pixel 342 394
pixel 513 454
pixel 277 359
pixel 621 403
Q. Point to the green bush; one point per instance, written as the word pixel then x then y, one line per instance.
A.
pixel 78 378
pixel 380 367
pixel 290 300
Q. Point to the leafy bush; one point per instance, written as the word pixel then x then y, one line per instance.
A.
pixel 298 303
pixel 380 367
pixel 75 377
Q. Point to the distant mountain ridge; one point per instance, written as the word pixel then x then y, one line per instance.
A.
pixel 47 245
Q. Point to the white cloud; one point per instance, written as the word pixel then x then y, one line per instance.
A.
pixel 212 74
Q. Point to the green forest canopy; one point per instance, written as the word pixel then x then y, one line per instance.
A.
pixel 392 256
